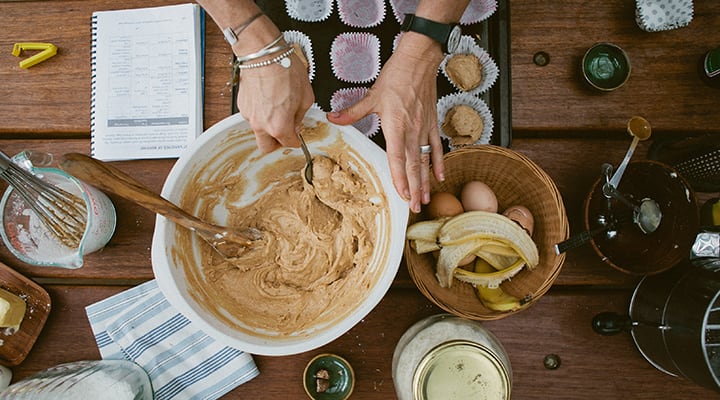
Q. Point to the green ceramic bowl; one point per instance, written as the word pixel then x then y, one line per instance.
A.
pixel 606 66
pixel 341 377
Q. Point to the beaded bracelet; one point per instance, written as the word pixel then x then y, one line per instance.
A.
pixel 281 60
pixel 269 49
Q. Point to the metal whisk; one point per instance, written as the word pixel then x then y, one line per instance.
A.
pixel 63 214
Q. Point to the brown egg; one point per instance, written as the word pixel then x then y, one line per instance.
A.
pixel 443 204
pixel 522 216
pixel 477 196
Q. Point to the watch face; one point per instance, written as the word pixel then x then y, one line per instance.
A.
pixel 454 39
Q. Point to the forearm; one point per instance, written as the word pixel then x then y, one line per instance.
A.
pixel 232 13
pixel 442 11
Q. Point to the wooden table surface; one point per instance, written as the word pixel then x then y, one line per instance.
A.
pixel 566 128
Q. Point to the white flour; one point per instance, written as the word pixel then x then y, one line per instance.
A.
pixel 100 385
pixel 30 236
pixel 84 380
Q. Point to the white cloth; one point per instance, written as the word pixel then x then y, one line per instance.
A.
pixel 182 361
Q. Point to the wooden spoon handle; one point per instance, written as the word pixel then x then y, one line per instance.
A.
pixel 110 179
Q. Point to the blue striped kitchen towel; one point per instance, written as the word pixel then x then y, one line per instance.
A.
pixel 183 362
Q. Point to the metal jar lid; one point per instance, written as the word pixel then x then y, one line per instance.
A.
pixel 461 369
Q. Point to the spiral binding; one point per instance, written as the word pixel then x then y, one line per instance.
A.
pixel 93 80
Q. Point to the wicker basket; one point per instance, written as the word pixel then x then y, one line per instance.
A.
pixel 516 180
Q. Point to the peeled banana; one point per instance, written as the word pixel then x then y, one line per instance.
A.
pixel 489 279
pixel 494 298
pixel 492 237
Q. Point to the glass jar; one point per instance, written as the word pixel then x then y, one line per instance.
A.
pixel 710 67
pixel 447 357
pixel 80 380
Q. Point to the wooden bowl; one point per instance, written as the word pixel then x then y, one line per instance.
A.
pixel 516 180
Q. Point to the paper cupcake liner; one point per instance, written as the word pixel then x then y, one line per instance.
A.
pixel 396 40
pixel 305 44
pixel 402 7
pixel 355 57
pixel 490 69
pixel 477 11
pixel 344 98
pixel 309 10
pixel 663 15
pixel 446 103
pixel 361 13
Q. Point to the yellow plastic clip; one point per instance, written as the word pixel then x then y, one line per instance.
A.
pixel 48 50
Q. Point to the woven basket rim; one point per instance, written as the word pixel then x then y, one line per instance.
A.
pixel 461 300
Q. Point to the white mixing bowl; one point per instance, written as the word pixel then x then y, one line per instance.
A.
pixel 180 279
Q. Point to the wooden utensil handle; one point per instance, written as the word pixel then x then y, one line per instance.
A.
pixel 108 178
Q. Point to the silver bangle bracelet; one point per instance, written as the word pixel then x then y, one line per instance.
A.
pixel 231 35
pixel 281 60
pixel 269 49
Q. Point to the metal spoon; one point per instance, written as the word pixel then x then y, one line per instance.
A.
pixel 608 225
pixel 308 161
pixel 229 242
pixel 639 129
pixel 646 215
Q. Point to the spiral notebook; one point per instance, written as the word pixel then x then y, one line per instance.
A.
pixel 147 81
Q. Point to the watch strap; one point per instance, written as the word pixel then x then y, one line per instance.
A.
pixel 438 31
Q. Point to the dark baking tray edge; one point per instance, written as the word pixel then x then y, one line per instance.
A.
pixel 494 37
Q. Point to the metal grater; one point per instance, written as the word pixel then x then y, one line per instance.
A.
pixel 697 159
pixel 701 167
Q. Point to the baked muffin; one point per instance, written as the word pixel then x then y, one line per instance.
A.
pixel 465 71
pixel 463 125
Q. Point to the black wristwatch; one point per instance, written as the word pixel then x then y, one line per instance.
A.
pixel 448 35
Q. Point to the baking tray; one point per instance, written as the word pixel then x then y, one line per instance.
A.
pixel 16 346
pixel 493 35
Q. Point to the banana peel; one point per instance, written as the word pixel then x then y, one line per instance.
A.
pixel 491 279
pixel 710 212
pixel 492 237
pixel 494 298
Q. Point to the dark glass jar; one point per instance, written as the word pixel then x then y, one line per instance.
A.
pixel 710 67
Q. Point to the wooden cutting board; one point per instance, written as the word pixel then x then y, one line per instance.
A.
pixel 15 346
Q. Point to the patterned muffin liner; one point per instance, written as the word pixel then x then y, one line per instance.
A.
pixel 402 7
pixel 361 13
pixel 476 11
pixel 663 15
pixel 344 98
pixel 355 57
pixel 490 69
pixel 304 42
pixel 309 10
pixel 396 40
pixel 446 103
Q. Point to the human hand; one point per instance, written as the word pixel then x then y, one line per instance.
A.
pixel 274 100
pixel 405 97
